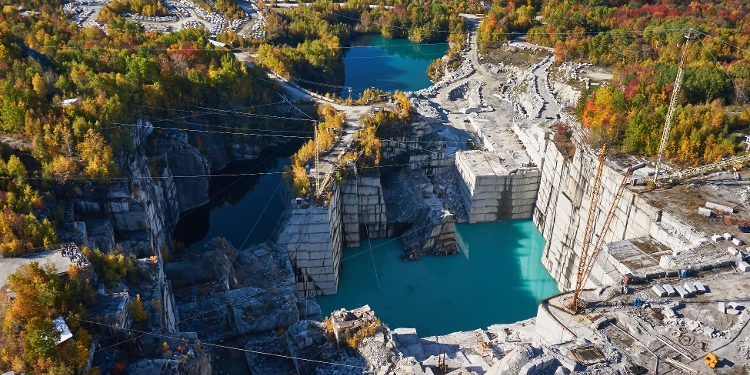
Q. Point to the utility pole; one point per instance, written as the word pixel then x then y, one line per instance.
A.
pixel 317 159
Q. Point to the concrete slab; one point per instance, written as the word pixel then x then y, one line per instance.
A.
pixel 11 265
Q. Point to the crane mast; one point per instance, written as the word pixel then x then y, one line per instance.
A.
pixel 672 104
pixel 589 230
pixel 588 255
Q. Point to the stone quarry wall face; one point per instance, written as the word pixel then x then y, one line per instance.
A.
pixel 372 220
pixel 350 212
pixel 562 208
pixel 411 150
pixel 157 212
pixel 490 197
pixel 363 210
pixel 313 238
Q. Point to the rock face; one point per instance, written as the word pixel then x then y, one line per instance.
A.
pixel 214 149
pixel 247 291
pixel 563 204
pixel 412 202
pixel 240 312
pixel 187 161
pixel 493 191
pixel 213 265
pixel 363 210
pixel 434 233
pixel 178 354
pixel 307 341
pixel 263 364
pixel 313 239
pixel 160 212
pixel 512 363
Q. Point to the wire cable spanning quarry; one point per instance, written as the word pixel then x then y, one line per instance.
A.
pixel 221 346
pixel 217 131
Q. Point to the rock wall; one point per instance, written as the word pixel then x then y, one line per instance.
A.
pixel 434 233
pixel 363 210
pixel 417 150
pixel 172 354
pixel 156 216
pixel 188 161
pixel 240 312
pixel 313 238
pixel 562 210
pixel 491 191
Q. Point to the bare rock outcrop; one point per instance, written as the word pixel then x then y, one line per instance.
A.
pixel 433 233
pixel 244 292
pixel 188 161
pixel 181 353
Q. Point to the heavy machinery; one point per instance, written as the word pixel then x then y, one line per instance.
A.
pixel 687 173
pixel 711 360
pixel 588 255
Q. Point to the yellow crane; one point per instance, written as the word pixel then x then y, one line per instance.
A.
pixel 588 255
pixel 672 105
pixel 685 174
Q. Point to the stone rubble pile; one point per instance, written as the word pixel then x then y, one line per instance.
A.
pixel 250 291
pixel 429 110
pixel 466 69
pixel 273 343
pixel 447 189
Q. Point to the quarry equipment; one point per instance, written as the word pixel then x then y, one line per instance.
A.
pixel 575 305
pixel 684 174
pixel 672 105
pixel 588 255
pixel 711 360
pixel 687 173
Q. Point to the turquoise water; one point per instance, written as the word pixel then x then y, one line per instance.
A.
pixel 388 64
pixel 497 278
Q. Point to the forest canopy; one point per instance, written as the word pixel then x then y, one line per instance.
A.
pixel 71 95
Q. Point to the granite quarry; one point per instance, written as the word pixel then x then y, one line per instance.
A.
pixel 668 288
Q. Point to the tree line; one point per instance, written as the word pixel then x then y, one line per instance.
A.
pixel 307 41
pixel 69 94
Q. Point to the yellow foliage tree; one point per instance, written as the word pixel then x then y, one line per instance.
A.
pixel 96 155
pixel 136 309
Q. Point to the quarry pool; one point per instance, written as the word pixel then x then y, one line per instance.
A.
pixel 497 278
pixel 246 202
pixel 388 64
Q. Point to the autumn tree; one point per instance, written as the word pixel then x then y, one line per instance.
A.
pixel 28 335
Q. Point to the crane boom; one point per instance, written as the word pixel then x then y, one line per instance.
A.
pixel 588 255
pixel 607 223
pixel 684 174
pixel 672 104
pixel 589 230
